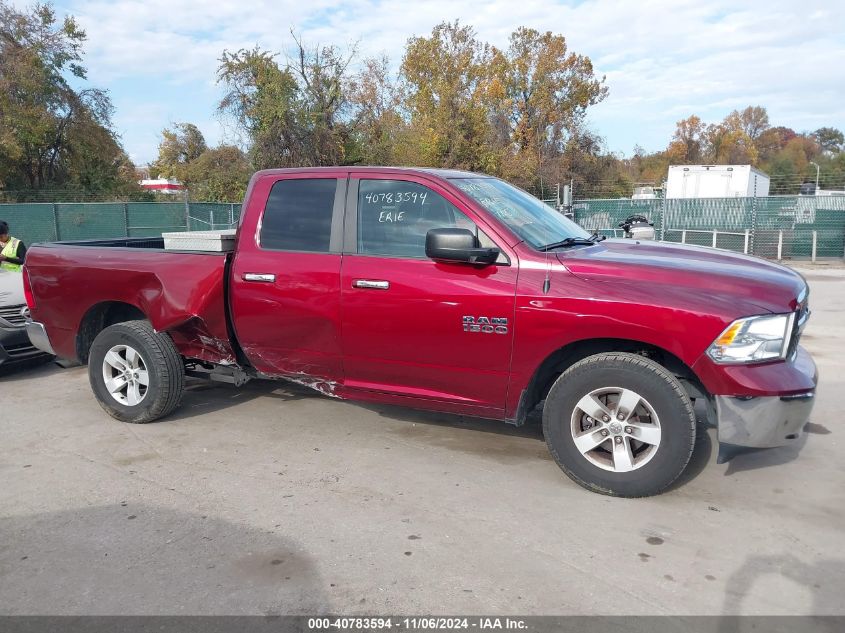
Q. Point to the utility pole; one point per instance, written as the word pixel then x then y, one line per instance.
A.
pixel 566 202
pixel 816 165
pixel 187 211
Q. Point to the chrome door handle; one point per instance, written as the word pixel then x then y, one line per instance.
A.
pixel 372 284
pixel 267 277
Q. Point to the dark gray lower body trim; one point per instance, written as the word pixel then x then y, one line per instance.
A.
pixel 763 422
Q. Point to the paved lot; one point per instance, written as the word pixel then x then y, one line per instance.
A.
pixel 272 499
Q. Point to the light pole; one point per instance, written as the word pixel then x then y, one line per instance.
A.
pixel 817 175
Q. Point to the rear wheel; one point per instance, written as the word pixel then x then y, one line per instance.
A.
pixel 136 373
pixel 619 424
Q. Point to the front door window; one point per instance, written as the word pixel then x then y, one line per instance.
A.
pixel 394 217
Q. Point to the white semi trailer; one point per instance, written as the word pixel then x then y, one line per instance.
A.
pixel 716 181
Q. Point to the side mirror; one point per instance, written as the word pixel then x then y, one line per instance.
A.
pixel 457 245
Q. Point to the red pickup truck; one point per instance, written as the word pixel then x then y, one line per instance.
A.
pixel 450 291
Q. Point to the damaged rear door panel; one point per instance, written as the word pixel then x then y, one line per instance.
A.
pixel 285 281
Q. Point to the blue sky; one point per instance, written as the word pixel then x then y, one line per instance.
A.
pixel 663 59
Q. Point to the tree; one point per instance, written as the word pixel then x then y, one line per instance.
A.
pixel 742 137
pixel 180 145
pixel 293 115
pixel 687 146
pixel 790 166
pixel 801 150
pixel 728 142
pixel 220 174
pixel 95 162
pixel 752 121
pixel 830 139
pixel 647 167
pixel 511 112
pixel 445 77
pixel 537 94
pixel 772 141
pixel 36 102
pixel 263 101
pixel 50 134
pixel 729 146
pixel 599 173
pixel 321 72
pixel 377 124
pixel 548 88
pixel 457 102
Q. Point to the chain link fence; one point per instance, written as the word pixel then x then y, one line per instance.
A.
pixel 776 227
pixel 49 222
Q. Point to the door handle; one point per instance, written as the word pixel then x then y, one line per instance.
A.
pixel 266 277
pixel 371 284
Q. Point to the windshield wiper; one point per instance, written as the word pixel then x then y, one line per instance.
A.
pixel 574 241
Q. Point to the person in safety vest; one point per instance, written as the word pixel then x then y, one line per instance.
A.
pixel 12 250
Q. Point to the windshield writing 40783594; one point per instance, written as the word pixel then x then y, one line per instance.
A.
pixel 414 197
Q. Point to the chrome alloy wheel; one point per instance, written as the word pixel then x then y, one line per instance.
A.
pixel 616 429
pixel 125 375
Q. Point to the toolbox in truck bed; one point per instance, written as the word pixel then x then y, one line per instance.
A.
pixel 216 241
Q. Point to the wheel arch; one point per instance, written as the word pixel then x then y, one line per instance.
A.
pixel 100 316
pixel 564 357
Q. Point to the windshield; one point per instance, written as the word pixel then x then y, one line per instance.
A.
pixel 532 220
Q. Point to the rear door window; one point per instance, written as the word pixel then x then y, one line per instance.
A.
pixel 298 215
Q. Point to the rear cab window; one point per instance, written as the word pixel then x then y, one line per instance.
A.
pixel 298 215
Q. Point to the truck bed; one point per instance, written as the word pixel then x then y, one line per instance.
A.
pixel 182 293
pixel 121 242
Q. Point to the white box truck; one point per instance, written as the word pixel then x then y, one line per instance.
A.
pixel 716 181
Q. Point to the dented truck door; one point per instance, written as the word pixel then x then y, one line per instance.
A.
pixel 427 330
pixel 285 280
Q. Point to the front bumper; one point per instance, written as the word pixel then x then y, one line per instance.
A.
pixel 763 422
pixel 38 336
pixel 767 421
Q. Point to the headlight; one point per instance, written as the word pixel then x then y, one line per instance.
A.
pixel 753 339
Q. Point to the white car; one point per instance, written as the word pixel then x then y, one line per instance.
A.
pixel 15 345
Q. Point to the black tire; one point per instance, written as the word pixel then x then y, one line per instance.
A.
pixel 663 393
pixel 166 372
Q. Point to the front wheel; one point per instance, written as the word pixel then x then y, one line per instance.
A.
pixel 619 424
pixel 136 373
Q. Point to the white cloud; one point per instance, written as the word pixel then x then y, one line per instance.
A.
pixel 663 59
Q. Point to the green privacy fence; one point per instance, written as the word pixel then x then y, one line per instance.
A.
pixel 778 227
pixel 46 222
